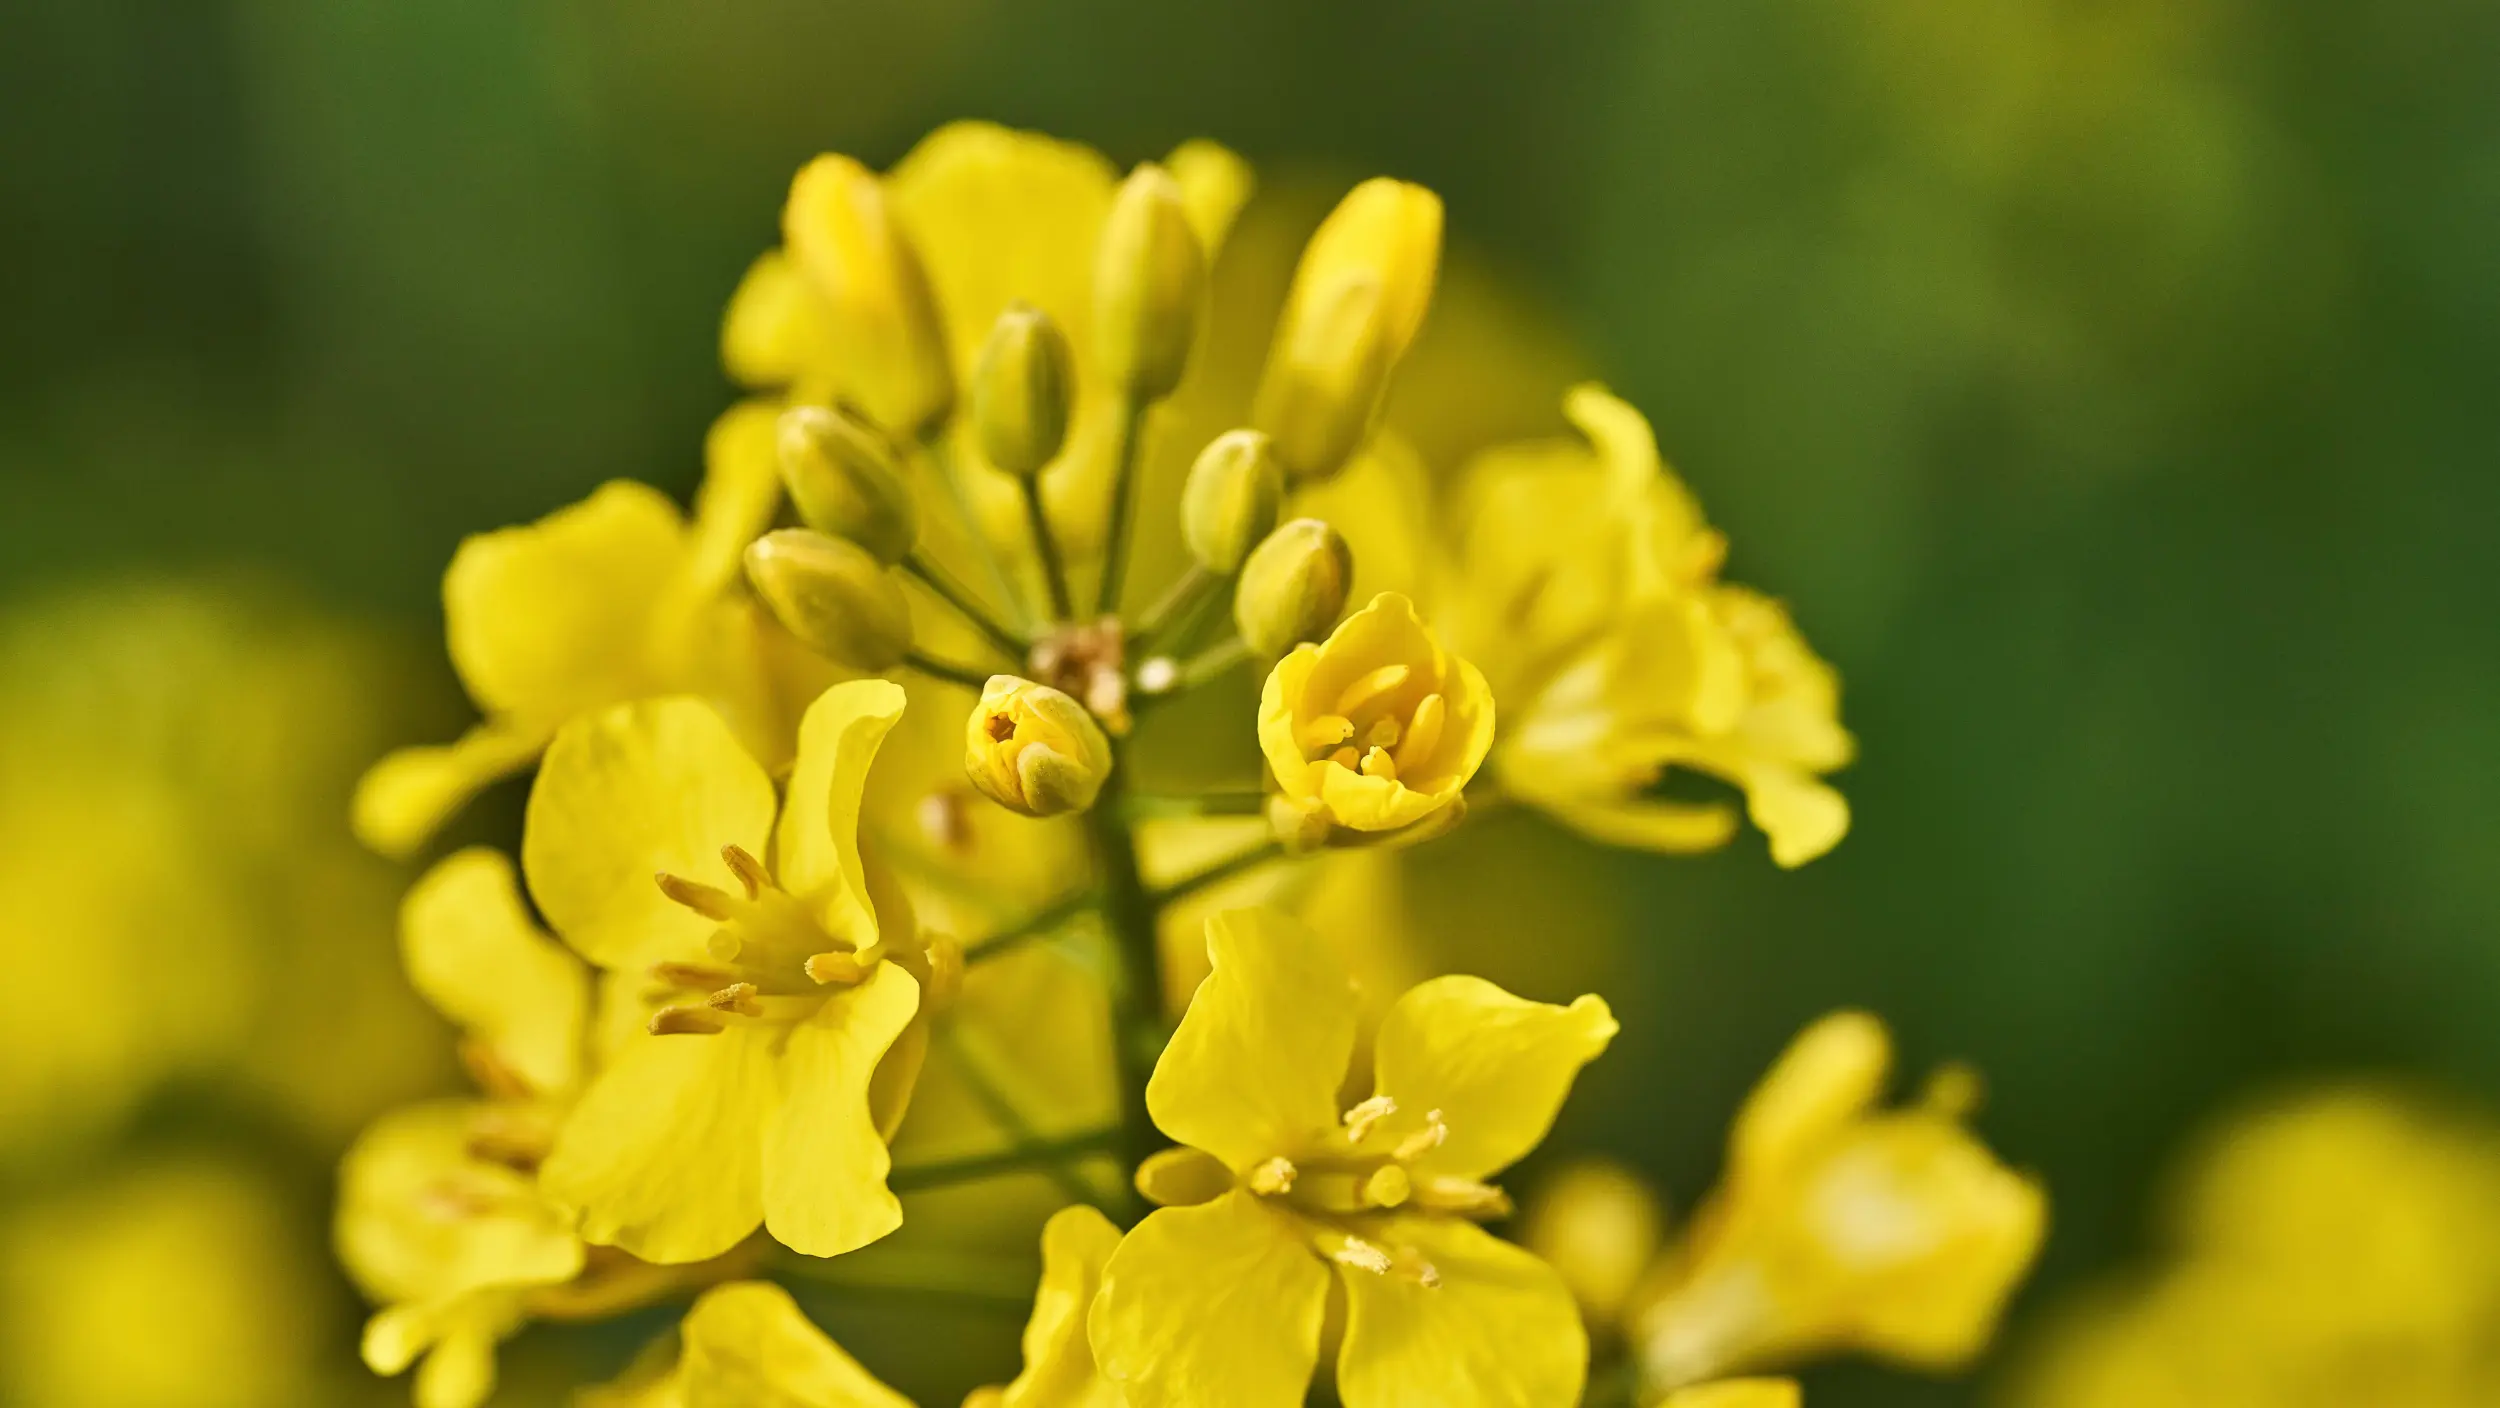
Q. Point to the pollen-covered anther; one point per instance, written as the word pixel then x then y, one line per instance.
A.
pixel 1360 1119
pixel 832 967
pixel 1410 1264
pixel 739 998
pixel 701 976
pixel 685 1021
pixel 1274 1177
pixel 750 871
pixel 507 1145
pixel 1424 1140
pixel 709 901
pixel 1346 1249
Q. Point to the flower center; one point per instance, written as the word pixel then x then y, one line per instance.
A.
pixel 1365 730
pixel 1348 1181
pixel 770 957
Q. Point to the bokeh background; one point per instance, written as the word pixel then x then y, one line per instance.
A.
pixel 2107 386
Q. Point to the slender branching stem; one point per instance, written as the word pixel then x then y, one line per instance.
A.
pixel 1046 547
pixel 1016 1158
pixel 948 671
pixel 1040 924
pixel 1177 603
pixel 1224 869
pixel 1123 509
pixel 1248 801
pixel 1129 917
pixel 955 594
pixel 949 471
pixel 982 1079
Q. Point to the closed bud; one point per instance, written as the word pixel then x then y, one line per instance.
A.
pixel 1293 587
pixel 1033 749
pixel 1023 390
pixel 830 593
pixel 1150 279
pixel 1234 495
pixel 1357 299
pixel 845 479
pixel 842 234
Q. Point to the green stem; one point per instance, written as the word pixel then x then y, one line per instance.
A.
pixel 947 670
pixel 1179 601
pixel 1247 802
pixel 1015 1159
pixel 1225 869
pixel 955 594
pixel 982 1079
pixel 1046 547
pixel 1208 663
pixel 987 1283
pixel 1123 509
pixel 950 472
pixel 1034 926
pixel 1129 914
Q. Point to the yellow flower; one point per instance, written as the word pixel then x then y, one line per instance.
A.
pixel 1736 1393
pixel 1839 1227
pixel 1599 1225
pixel 615 598
pixel 440 1217
pixel 1221 1294
pixel 748 1345
pixel 1032 749
pixel 1059 1369
pixel 1377 727
pixel 762 1090
pixel 1585 582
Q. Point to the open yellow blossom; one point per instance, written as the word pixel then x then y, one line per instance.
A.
pixel 1219 1296
pixel 617 597
pixel 1377 727
pixel 1059 1369
pixel 754 1095
pixel 748 1345
pixel 1599 1225
pixel 1896 1233
pixel 1585 583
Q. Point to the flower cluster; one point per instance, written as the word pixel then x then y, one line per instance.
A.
pixel 867 798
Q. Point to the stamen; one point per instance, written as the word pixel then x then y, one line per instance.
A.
pixel 1371 687
pixel 750 871
pixel 1346 758
pixel 713 904
pixel 510 1148
pixel 693 975
pixel 1376 764
pixel 1423 1273
pixel 1383 734
pixel 684 1021
pixel 1273 1177
pixel 1422 1141
pixel 491 1074
pixel 1326 732
pixel 737 997
pixel 1355 1252
pixel 1462 1197
pixel 830 967
pixel 446 1201
pixel 1423 731
pixel 1360 1119
pixel 946 821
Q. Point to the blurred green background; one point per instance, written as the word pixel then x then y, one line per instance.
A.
pixel 2107 386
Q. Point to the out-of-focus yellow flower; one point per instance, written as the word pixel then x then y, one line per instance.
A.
pixel 1599 1225
pixel 1224 1290
pixel 1585 582
pixel 2342 1246
pixel 764 1086
pixel 1737 1393
pixel 1034 750
pixel 1378 727
pixel 878 319
pixel 617 597
pixel 1839 1227
pixel 1059 1367
pixel 748 1345
pixel 1358 298
pixel 178 1285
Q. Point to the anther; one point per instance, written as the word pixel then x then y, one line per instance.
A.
pixel 750 871
pixel 508 1148
pixel 738 998
pixel 713 904
pixel 1346 758
pixel 1362 1255
pixel 830 967
pixel 1376 764
pixel 1360 1119
pixel 1371 687
pixel 1462 1197
pixel 1424 1140
pixel 684 1021
pixel 1326 732
pixel 1273 1177
pixel 1423 731
pixel 693 975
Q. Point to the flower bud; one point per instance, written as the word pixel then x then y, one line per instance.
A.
pixel 1150 278
pixel 1293 587
pixel 830 593
pixel 842 234
pixel 1022 391
pixel 1234 495
pixel 845 479
pixel 1357 299
pixel 1034 750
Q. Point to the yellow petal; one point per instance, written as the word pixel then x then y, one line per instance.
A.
pixel 1253 1070
pixel 741 491
pixel 404 799
pixel 1215 1306
pixel 393 1236
pixel 747 1345
pixel 556 616
pixel 1496 1066
pixel 778 330
pixel 1830 1075
pixel 1280 727
pixel 1672 828
pixel 1058 1360
pixel 474 953
pixel 824 1161
pixel 460 1370
pixel 664 1155
pixel 1499 1328
pixel 816 846
pixel 1737 1393
pixel 1803 817
pixel 1215 184
pixel 628 792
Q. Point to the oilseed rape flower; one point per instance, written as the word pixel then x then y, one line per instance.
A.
pixel 748 1345
pixel 1585 581
pixel 1377 728
pixel 754 1096
pixel 1839 1226
pixel 1220 1295
pixel 1059 1369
